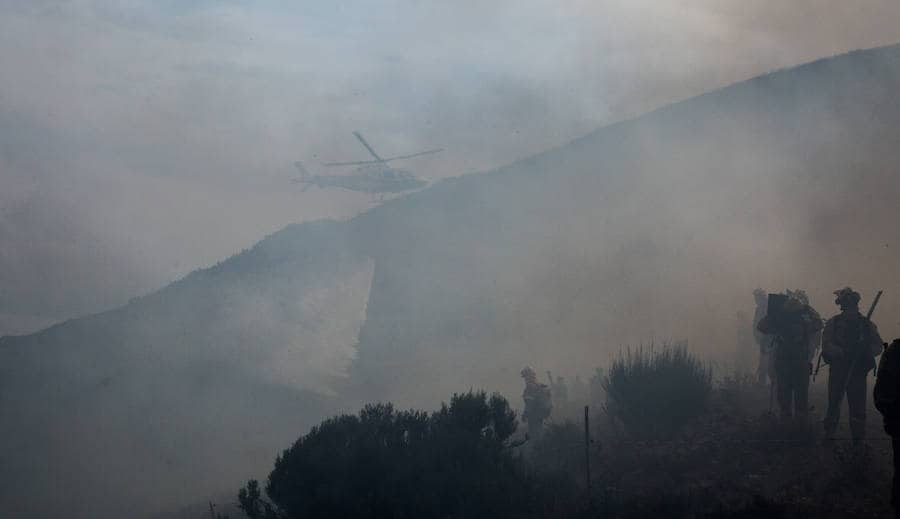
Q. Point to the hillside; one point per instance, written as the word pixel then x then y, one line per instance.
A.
pixel 651 228
pixel 166 399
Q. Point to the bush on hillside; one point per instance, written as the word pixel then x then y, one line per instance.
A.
pixel 654 392
pixel 387 463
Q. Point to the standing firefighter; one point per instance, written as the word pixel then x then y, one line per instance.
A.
pixel 560 393
pixel 887 401
pixel 850 344
pixel 794 326
pixel 764 372
pixel 815 339
pixel 538 403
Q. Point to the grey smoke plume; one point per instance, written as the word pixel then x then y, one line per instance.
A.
pixel 141 140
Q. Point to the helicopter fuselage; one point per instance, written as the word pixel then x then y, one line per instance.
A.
pixel 371 179
pixel 371 176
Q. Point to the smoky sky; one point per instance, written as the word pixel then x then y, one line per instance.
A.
pixel 140 140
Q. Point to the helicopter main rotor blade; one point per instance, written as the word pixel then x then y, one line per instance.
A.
pixel 399 157
pixel 366 144
pixel 356 163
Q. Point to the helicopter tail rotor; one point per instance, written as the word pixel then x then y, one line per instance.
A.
pixel 304 173
pixel 305 178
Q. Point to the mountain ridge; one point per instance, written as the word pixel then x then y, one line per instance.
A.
pixel 660 111
pixel 650 228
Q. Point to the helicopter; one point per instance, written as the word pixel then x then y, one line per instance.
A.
pixel 372 176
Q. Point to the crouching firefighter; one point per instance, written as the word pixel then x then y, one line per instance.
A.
pixel 887 401
pixel 793 326
pixel 850 344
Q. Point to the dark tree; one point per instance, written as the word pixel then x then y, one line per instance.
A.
pixel 387 463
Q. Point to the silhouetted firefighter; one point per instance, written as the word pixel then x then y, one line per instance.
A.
pixel 887 401
pixel 850 344
pixel 559 391
pixel 764 371
pixel 538 403
pixel 794 326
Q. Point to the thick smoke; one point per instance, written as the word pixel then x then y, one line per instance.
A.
pixel 161 135
pixel 142 140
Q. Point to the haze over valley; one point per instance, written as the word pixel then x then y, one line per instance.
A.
pixel 176 312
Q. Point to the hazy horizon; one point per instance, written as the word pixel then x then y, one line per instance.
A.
pixel 143 140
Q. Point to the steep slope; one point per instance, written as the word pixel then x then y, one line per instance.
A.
pixel 184 392
pixel 652 228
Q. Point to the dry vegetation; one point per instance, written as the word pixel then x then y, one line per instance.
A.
pixel 733 458
pixel 669 442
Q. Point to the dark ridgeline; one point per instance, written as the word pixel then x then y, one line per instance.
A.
pixel 163 397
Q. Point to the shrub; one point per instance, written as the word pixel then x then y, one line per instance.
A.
pixel 560 447
pixel 387 463
pixel 654 392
